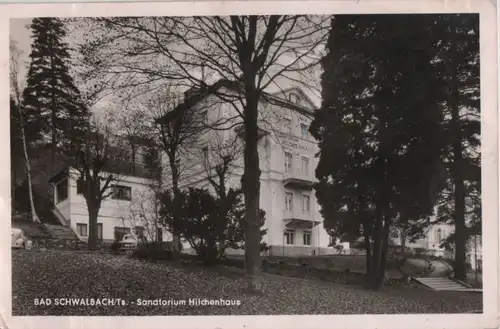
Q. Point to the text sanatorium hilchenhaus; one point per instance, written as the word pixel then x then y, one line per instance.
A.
pixel 188 302
pixel 193 302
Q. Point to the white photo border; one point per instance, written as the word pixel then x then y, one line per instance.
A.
pixel 490 142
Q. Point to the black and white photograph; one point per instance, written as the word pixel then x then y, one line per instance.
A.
pixel 269 163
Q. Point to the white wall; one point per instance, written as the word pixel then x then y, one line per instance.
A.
pixel 113 213
pixel 272 165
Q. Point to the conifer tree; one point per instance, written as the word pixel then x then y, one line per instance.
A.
pixel 51 101
pixel 379 129
pixel 457 61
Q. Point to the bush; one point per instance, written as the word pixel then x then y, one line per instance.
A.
pixel 232 262
pixel 152 251
pixel 420 251
pixel 167 245
pixel 211 224
pixel 115 246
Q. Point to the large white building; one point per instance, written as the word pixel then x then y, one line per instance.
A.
pixel 287 162
pixel 432 244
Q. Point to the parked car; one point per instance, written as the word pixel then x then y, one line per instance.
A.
pixel 129 242
pixel 19 239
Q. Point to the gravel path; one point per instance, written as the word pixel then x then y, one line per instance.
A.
pixel 65 274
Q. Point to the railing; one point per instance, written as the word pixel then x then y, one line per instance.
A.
pixel 299 214
pixel 298 174
pixel 60 217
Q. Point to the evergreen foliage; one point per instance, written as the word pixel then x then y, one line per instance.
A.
pixel 52 103
pixel 457 61
pixel 379 130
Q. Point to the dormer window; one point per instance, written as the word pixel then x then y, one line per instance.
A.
pixel 294 98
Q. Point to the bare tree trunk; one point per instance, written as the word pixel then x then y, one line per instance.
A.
pixel 34 215
pixel 93 206
pixel 54 105
pixel 156 219
pixel 377 254
pixel 459 216
pixel 175 186
pixel 368 257
pixel 251 190
pixel 384 252
pixel 93 213
pixel 132 164
pixel 403 240
pixel 457 176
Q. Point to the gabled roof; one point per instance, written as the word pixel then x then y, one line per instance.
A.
pixel 195 95
pixel 298 91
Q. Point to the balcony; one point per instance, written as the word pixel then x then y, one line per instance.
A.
pixel 299 219
pixel 296 179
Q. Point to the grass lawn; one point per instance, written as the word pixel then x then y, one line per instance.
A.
pixel 69 274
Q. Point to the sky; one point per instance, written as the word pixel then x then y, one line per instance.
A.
pixel 21 35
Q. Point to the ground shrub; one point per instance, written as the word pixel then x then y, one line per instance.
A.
pixel 167 245
pixel 209 223
pixel 232 262
pixel 115 246
pixel 152 251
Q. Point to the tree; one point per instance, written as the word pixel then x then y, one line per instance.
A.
pixel 95 157
pixel 252 53
pixel 378 129
pixel 175 135
pixel 20 138
pixel 152 162
pixel 210 222
pixel 457 60
pixel 50 100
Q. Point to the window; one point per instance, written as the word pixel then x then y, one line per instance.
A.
pixel 287 126
pixel 304 130
pixel 81 229
pixel 289 237
pixel 288 162
pixel 139 231
pixel 79 186
pixel 306 203
pixel 294 98
pixel 62 190
pixel 159 234
pixel 99 231
pixel 120 232
pixel 288 201
pixel 305 165
pixel 439 236
pixel 205 154
pixel 307 238
pixel 121 192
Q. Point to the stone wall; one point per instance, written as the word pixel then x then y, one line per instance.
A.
pixel 65 244
pixel 292 251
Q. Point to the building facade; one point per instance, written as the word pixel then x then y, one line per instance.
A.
pixel 128 209
pixel 287 163
pixel 432 244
